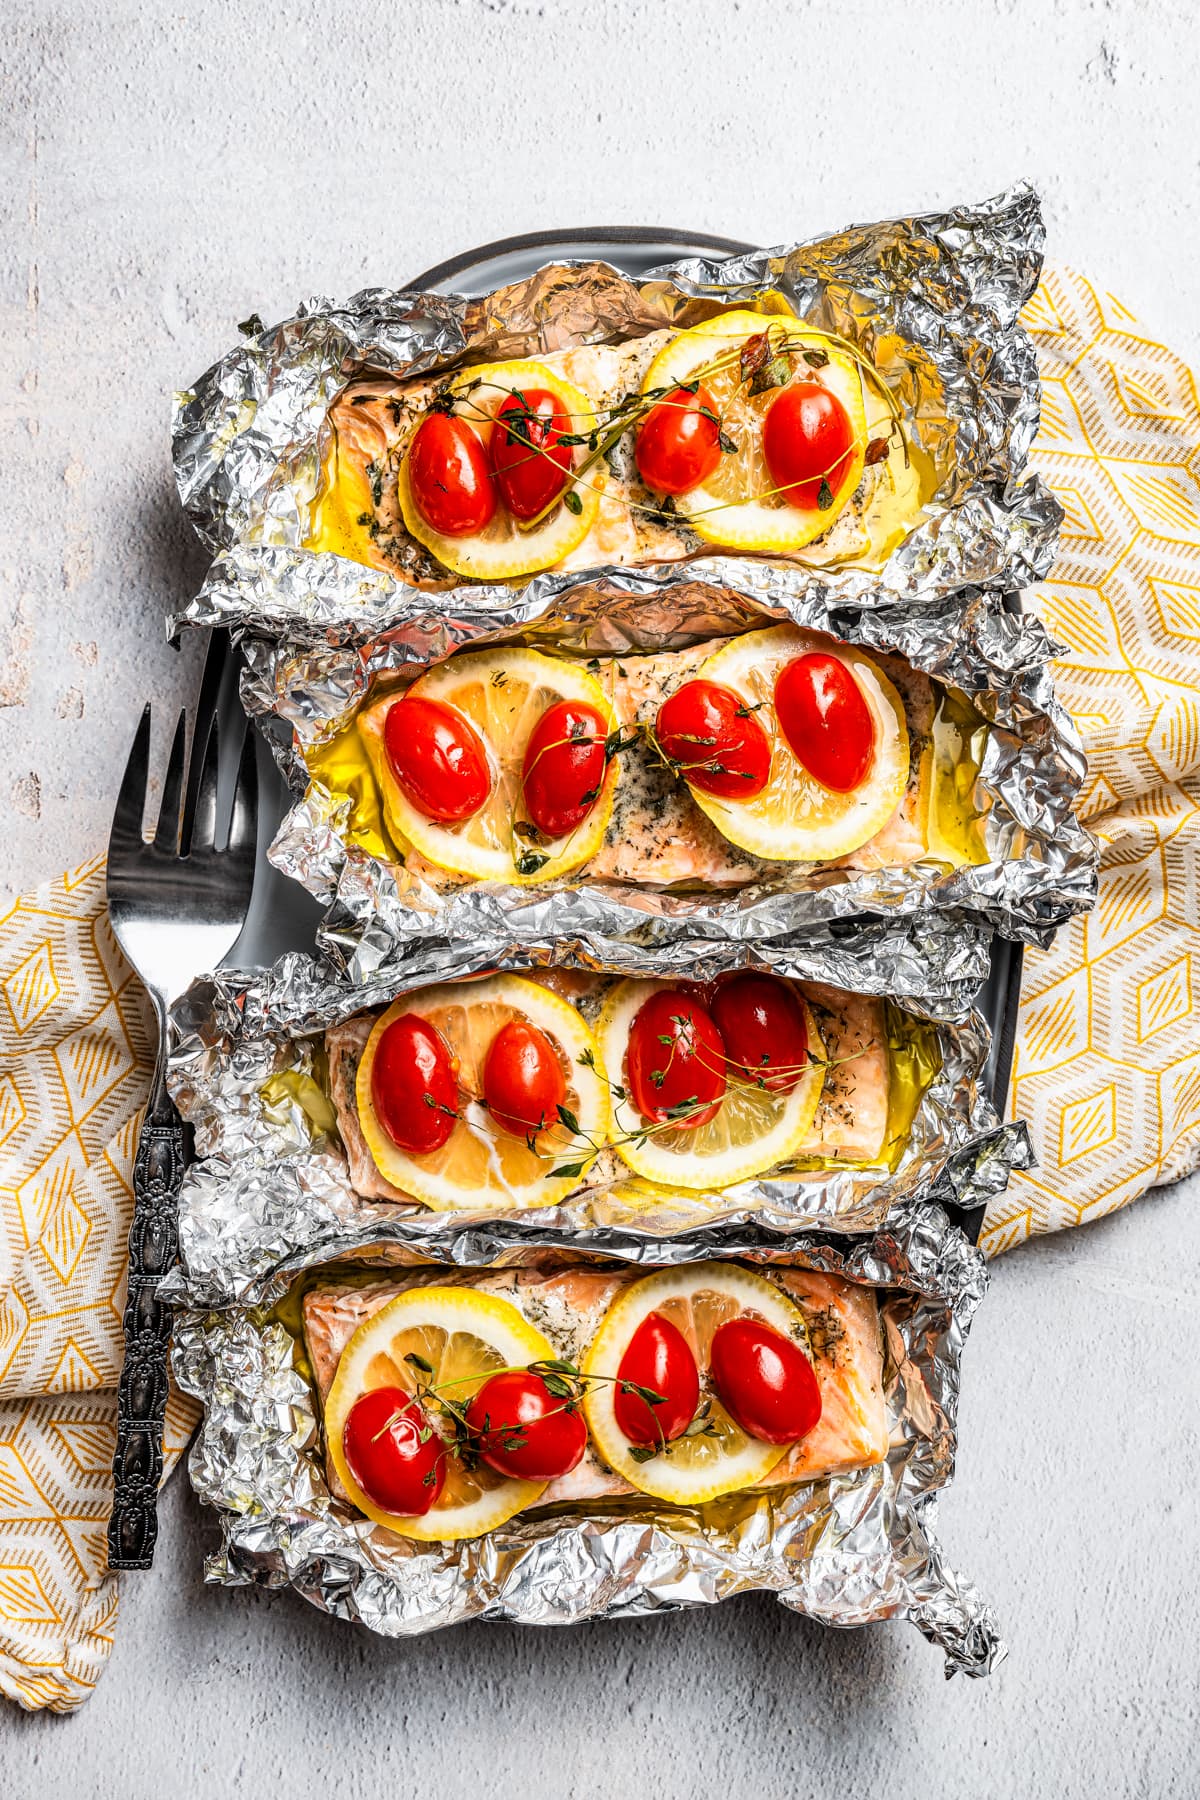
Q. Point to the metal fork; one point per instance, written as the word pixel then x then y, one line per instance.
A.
pixel 177 905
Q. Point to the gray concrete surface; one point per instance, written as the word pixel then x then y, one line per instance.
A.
pixel 163 172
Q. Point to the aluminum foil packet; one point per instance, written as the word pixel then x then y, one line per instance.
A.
pixel 846 1550
pixel 931 301
pixel 270 1186
pixel 1038 862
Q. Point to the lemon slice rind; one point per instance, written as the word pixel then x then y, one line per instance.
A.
pixel 463 1311
pixel 694 1469
pixel 772 825
pixel 766 524
pixel 499 692
pixel 505 549
pixel 498 1171
pixel 754 1131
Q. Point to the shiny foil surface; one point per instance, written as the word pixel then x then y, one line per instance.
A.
pixel 1041 862
pixel 270 1187
pixel 847 1550
pixel 932 300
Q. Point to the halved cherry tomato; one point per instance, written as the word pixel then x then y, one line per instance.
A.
pixel 763 1026
pixel 523 1081
pixel 437 757
pixel 676 1061
pixel 765 1381
pixel 563 770
pixel 382 1440
pixel 826 720
pixel 808 441
pixel 524 1430
pixel 715 740
pixel 658 1357
pixel 449 476
pixel 529 459
pixel 414 1085
pixel 679 444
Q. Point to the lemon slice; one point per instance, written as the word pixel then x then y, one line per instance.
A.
pixel 506 547
pixel 503 693
pixel 480 1166
pixel 465 1336
pixel 795 818
pixel 696 1300
pixel 735 507
pixel 753 1130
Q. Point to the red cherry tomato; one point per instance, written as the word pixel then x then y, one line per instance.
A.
pixel 524 1430
pixel 529 459
pixel 437 757
pixel 717 743
pixel 825 718
pixel 679 444
pixel 808 440
pixel 449 476
pixel 676 1060
pixel 657 1357
pixel 564 765
pixel 414 1087
pixel 764 1030
pixel 382 1442
pixel 765 1381
pixel 523 1082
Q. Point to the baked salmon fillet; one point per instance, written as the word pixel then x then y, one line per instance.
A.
pixel 373 418
pixel 850 1124
pixel 657 836
pixel 568 1305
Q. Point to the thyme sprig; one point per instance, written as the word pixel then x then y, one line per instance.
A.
pixel 563 1379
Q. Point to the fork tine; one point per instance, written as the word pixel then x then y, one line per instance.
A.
pixel 126 833
pixel 204 822
pixel 166 837
pixel 243 823
pixel 207 703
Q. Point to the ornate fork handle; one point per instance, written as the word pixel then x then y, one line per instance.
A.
pixel 142 1394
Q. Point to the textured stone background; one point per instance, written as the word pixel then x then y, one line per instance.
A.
pixel 164 172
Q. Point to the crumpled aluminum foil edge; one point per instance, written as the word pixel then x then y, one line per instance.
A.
pixel 848 1550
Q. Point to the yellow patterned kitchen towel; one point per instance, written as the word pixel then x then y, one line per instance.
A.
pixel 75 1056
pixel 1107 1066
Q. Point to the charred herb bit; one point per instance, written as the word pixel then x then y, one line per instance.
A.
pixel 396 408
pixel 498 678
pixel 816 359
pixel 877 451
pixel 664 513
pixel 364 519
pixel 728 445
pixel 764 367
pixel 572 502
pixel 419 1362
pixel 825 1333
pixel 824 497
pixel 443 401
pixel 530 861
pixel 252 326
